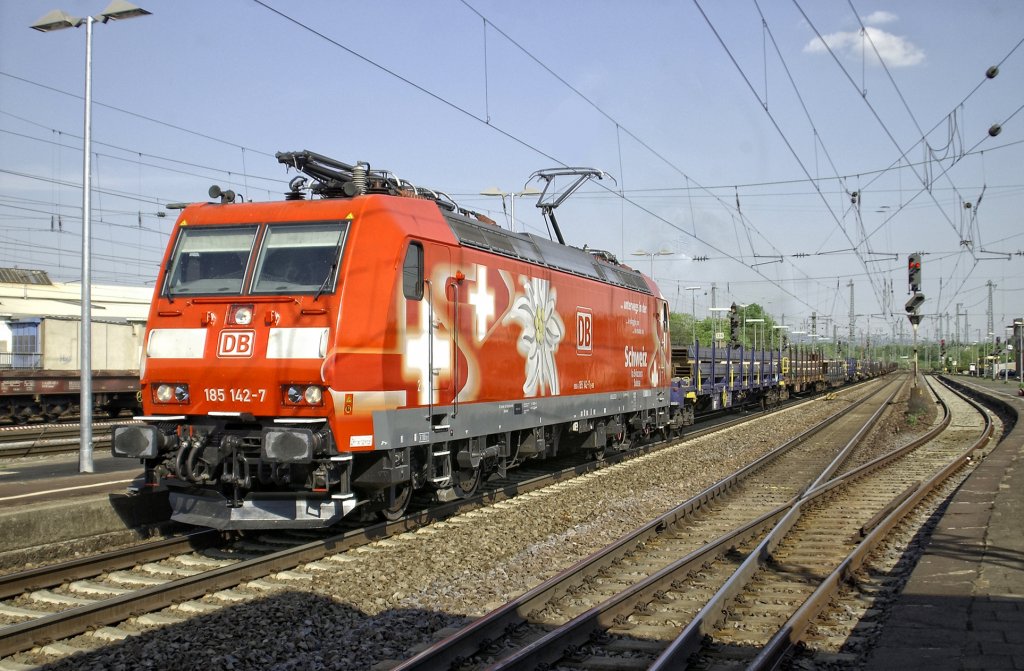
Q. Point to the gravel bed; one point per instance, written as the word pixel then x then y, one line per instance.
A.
pixel 897 428
pixel 385 598
pixel 842 637
pixel 23 559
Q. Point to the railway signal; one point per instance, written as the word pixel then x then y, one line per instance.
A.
pixel 913 304
pixel 914 272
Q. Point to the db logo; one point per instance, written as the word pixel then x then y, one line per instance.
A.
pixel 236 343
pixel 584 331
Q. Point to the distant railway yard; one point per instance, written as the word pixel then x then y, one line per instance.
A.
pixel 783 535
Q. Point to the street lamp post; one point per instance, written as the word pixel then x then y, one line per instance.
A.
pixel 756 320
pixel 760 365
pixel 512 195
pixel 660 252
pixel 58 20
pixel 693 311
pixel 1018 353
pixel 715 321
pixel 778 327
pixel 992 357
pixel 1007 348
pixel 743 337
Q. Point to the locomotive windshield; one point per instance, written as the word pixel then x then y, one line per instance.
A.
pixel 298 258
pixel 292 258
pixel 210 260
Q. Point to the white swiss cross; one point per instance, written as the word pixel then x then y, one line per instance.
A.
pixel 417 355
pixel 482 300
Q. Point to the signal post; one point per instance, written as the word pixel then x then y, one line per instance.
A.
pixel 916 299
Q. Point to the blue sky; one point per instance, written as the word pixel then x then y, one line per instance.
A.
pixel 731 133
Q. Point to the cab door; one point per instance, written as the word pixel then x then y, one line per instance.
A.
pixel 444 312
pixel 433 348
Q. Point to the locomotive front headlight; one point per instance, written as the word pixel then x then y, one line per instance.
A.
pixel 293 394
pixel 313 395
pixel 243 315
pixel 169 392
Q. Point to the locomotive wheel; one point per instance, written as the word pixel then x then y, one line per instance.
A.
pixel 419 469
pixel 676 425
pixel 467 480
pixel 621 441
pixel 400 495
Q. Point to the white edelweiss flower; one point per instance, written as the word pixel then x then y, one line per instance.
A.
pixel 543 330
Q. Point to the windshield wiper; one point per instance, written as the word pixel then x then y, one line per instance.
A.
pixel 323 285
pixel 170 274
pixel 334 266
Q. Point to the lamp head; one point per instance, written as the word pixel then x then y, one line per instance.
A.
pixel 119 9
pixel 56 20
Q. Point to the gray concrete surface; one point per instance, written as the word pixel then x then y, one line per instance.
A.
pixel 963 606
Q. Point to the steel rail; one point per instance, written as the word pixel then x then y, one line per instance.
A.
pixel 549 648
pixel 791 633
pixel 690 639
pixel 41 439
pixel 466 641
pixel 14 584
pixel 22 636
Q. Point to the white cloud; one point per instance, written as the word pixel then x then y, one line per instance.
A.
pixel 895 51
pixel 880 17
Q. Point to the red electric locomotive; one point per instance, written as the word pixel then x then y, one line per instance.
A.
pixel 309 358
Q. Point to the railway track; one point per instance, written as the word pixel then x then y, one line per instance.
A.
pixel 181 588
pixel 165 581
pixel 42 439
pixel 798 568
pixel 748 563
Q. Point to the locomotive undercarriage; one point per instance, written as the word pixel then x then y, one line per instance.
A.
pixel 448 470
pixel 235 473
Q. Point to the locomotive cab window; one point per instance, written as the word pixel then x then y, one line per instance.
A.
pixel 299 258
pixel 412 272
pixel 210 260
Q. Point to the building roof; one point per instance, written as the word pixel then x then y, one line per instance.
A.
pixel 22 276
pixel 31 293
